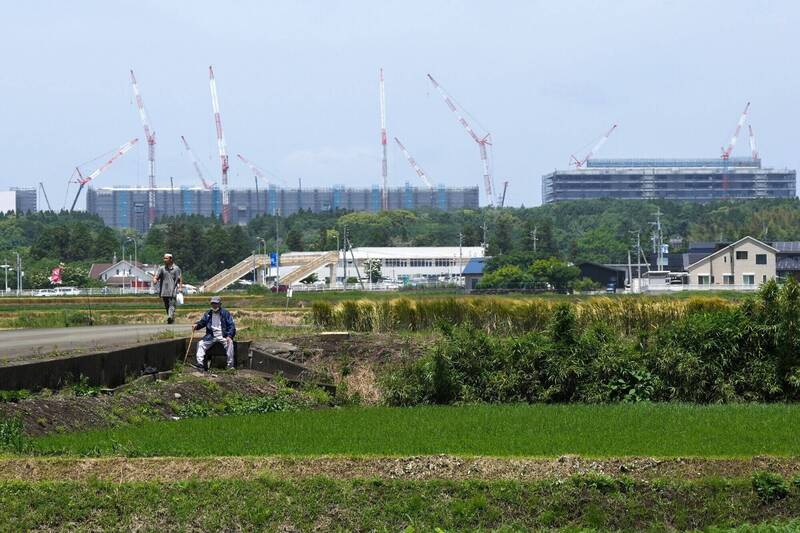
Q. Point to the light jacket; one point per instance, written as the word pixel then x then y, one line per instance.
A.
pixel 226 321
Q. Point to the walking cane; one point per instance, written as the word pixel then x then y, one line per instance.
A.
pixel 189 345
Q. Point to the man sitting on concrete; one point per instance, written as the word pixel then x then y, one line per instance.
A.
pixel 219 329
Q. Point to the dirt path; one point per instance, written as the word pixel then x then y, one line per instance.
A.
pixel 169 469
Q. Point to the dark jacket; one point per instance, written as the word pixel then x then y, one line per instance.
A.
pixel 226 321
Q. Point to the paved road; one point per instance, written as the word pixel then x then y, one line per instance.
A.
pixel 23 343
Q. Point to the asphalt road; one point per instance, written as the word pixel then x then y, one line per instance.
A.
pixel 25 343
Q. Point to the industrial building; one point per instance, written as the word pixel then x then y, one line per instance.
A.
pixel 700 180
pixel 127 207
pixel 18 200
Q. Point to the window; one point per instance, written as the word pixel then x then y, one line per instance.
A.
pixel 703 279
pixel 749 279
pixel 727 279
pixel 444 262
pixel 741 254
pixel 395 262
pixel 764 278
pixel 761 259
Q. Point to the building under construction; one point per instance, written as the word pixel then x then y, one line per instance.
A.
pixel 127 207
pixel 701 180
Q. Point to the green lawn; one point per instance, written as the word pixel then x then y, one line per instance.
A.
pixel 666 430
pixel 375 505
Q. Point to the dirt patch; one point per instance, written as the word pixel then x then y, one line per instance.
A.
pixel 121 469
pixel 359 358
pixel 144 400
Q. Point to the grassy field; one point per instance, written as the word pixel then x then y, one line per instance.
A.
pixel 369 505
pixel 665 430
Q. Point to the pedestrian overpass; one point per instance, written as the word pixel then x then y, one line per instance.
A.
pixel 306 264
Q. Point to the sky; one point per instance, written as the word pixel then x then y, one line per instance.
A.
pixel 298 87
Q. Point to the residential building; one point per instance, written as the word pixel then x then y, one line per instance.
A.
pixel 746 263
pixel 701 180
pixel 123 273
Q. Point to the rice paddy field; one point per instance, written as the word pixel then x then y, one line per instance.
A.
pixel 345 464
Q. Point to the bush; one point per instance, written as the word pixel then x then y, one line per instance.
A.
pixel 770 487
pixel 12 435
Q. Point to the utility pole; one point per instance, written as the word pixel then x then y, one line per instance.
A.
pixel 638 260
pixel 5 267
pixel 485 244
pixel 344 256
pixel 658 240
pixel 534 238
pixel 19 275
pixel 460 257
pixel 277 252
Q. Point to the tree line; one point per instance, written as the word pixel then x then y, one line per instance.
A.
pixel 591 230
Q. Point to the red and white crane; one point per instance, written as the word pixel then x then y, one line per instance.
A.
pixel 196 162
pixel 482 142
pixel 384 163
pixel 252 166
pixel 83 180
pixel 414 165
pixel 223 149
pixel 753 148
pixel 150 137
pixel 726 152
pixel 579 163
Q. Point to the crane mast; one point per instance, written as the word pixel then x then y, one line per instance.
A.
pixel 223 150
pixel 384 163
pixel 482 142
pixel 503 197
pixel 150 137
pixel 83 180
pixel 753 148
pixel 206 185
pixel 579 163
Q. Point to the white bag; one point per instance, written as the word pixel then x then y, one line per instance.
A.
pixel 179 298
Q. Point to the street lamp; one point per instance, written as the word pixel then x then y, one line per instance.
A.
pixel 135 261
pixel 263 267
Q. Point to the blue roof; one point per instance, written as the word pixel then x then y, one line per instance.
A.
pixel 475 265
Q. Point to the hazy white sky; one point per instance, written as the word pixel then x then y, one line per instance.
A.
pixel 298 85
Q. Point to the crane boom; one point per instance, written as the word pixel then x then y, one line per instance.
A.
pixel 726 152
pixel 41 186
pixel 753 148
pixel 580 163
pixel 503 197
pixel 384 163
pixel 252 166
pixel 150 137
pixel 414 165
pixel 482 142
pixel 223 149
pixel 206 185
pixel 83 180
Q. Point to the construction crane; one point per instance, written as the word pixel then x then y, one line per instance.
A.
pixel 726 152
pixel 417 169
pixel 579 163
pixel 257 173
pixel 482 142
pixel 196 162
pixel 753 149
pixel 41 186
pixel 150 137
pixel 223 149
pixel 503 197
pixel 384 163
pixel 83 180
pixel 414 165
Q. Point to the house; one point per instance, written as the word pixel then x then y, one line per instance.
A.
pixel 744 264
pixel 473 272
pixel 123 273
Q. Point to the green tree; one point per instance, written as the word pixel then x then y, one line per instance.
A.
pixel 557 273
pixel 294 240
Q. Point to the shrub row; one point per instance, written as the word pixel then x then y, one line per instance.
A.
pixel 745 353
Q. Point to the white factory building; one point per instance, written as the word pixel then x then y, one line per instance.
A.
pixel 401 264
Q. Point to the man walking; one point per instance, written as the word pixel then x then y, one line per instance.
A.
pixel 168 282
pixel 219 329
